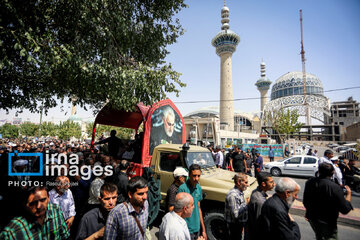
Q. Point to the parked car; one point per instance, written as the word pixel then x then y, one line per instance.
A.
pixel 341 148
pixel 297 165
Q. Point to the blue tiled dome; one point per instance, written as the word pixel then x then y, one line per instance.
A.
pixel 292 84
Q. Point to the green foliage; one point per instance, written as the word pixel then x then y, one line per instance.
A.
pixel 28 129
pixel 123 133
pixel 94 50
pixel 48 129
pixel 283 122
pixel 68 129
pixel 9 131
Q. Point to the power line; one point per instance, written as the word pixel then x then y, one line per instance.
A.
pixel 257 98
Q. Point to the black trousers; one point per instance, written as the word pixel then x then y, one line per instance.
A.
pixel 235 230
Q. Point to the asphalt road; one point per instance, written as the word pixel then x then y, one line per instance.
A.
pixel 355 198
pixel 344 232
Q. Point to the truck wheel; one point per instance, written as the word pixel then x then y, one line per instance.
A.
pixel 275 171
pixel 215 225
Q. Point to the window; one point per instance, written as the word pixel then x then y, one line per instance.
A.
pixel 308 160
pixel 295 160
pixel 169 161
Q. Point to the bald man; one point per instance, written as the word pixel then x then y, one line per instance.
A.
pixel 173 225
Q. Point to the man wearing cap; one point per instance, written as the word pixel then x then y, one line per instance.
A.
pixel 180 175
pixel 338 177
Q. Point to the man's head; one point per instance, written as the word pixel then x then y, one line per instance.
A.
pixel 106 161
pixel 194 174
pixel 270 148
pixel 124 165
pixel 184 204
pixel 287 189
pixel 326 170
pixel 108 196
pixel 62 184
pixel 265 181
pixel 113 133
pixel 180 175
pixel 241 181
pixel 328 153
pixel 257 153
pixel 169 121
pixel 137 191
pixel 352 162
pixel 36 201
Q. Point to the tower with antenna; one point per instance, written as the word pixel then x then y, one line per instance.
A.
pixel 225 43
pixel 303 59
pixel 263 85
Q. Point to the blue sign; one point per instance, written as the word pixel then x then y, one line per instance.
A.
pixel 40 155
pixel 263 149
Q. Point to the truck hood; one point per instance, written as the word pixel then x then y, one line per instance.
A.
pixel 217 182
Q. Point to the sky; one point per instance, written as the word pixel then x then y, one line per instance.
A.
pixel 268 30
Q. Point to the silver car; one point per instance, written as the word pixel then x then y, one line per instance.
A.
pixel 298 165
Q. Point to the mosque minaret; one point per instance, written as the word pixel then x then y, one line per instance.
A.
pixel 263 85
pixel 225 43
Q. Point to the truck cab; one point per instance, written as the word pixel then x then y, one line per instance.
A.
pixel 163 153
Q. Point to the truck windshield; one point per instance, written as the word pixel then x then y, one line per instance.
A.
pixel 204 159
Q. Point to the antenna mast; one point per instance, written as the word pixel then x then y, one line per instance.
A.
pixel 307 109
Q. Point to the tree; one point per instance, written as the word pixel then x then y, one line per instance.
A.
pixel 29 129
pixel 69 129
pixel 9 131
pixel 48 129
pixel 283 122
pixel 94 51
pixel 123 133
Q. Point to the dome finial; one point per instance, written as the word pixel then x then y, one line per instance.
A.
pixel 225 17
pixel 262 68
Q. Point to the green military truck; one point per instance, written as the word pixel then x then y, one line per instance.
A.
pixel 215 182
pixel 164 148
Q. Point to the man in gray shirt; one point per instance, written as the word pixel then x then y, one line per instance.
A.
pixel 257 199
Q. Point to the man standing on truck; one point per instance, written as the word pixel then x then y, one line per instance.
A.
pixel 195 222
pixel 114 144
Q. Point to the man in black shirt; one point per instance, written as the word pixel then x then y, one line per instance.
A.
pixel 323 200
pixel 275 220
pixel 92 224
pixel 237 161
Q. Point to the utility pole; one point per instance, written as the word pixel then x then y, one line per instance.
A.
pixel 41 113
pixel 307 109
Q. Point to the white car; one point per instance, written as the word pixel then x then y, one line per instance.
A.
pixel 296 165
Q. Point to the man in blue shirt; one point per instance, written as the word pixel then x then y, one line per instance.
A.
pixel 271 154
pixel 192 187
pixel 258 164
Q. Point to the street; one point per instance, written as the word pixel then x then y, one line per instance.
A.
pixel 344 232
pixel 355 197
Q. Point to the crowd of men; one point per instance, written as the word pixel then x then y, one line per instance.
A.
pixel 120 207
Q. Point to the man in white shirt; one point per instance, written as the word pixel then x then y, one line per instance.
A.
pixel 219 157
pixel 173 226
pixel 328 154
pixel 62 196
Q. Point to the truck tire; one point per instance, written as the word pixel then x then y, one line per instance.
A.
pixel 215 225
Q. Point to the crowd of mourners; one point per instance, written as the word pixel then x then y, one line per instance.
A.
pixel 68 206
